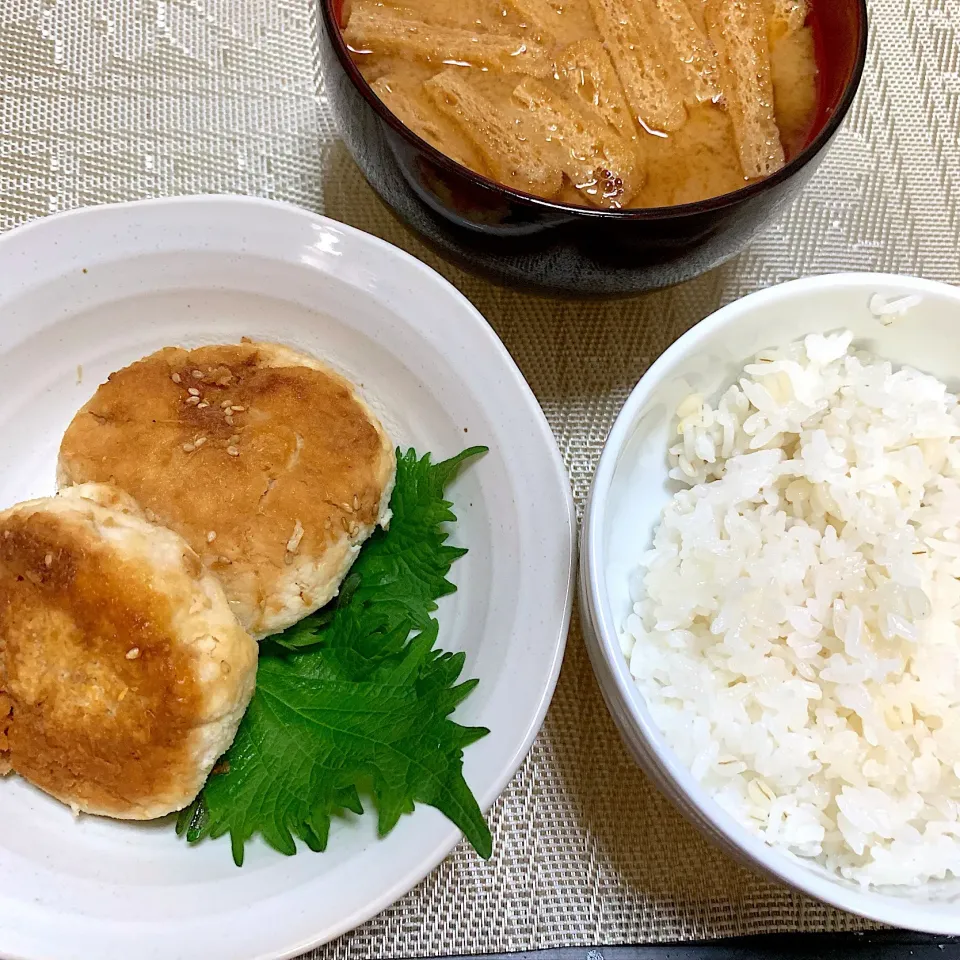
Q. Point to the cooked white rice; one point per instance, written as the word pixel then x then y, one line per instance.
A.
pixel 796 632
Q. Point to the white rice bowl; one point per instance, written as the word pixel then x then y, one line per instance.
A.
pixel 795 627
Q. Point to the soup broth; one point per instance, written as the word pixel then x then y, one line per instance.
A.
pixel 609 103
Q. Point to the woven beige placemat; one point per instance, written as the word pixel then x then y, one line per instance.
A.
pixel 106 100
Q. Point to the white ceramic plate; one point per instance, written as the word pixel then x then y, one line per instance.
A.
pixel 84 293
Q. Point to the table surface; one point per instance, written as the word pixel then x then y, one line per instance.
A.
pixel 109 100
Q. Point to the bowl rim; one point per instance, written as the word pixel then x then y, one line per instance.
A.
pixel 334 32
pixel 611 666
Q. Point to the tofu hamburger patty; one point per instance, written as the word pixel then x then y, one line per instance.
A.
pixel 123 672
pixel 264 460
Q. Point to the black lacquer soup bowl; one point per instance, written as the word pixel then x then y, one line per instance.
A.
pixel 555 248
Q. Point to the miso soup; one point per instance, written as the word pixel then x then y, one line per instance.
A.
pixel 609 103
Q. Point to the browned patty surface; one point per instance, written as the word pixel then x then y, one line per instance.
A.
pixel 86 718
pixel 251 456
